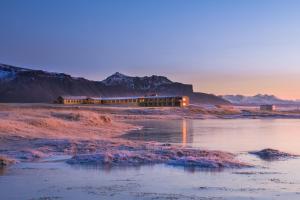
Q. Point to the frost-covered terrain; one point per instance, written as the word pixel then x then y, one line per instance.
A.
pixel 84 152
pixel 91 135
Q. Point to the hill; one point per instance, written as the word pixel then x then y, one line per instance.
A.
pixel 258 99
pixel 22 85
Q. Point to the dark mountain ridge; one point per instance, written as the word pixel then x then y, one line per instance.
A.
pixel 21 85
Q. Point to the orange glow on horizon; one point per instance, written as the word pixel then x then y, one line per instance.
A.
pixel 283 86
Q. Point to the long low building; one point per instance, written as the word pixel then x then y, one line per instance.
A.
pixel 267 107
pixel 146 101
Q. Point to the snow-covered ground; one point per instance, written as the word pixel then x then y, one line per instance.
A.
pixel 81 152
pixel 91 135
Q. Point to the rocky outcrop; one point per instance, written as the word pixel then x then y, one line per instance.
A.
pixel 272 154
pixel 4 161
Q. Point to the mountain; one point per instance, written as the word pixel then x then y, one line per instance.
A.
pixel 27 85
pixel 258 99
pixel 146 85
pixel 141 83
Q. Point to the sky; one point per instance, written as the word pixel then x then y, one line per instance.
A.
pixel 220 46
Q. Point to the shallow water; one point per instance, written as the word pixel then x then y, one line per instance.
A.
pixel 236 135
pixel 54 179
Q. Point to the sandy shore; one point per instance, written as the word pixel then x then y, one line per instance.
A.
pixel 90 134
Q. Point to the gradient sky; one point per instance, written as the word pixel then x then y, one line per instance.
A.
pixel 219 46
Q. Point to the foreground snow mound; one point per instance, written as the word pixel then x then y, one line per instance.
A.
pixel 160 154
pixel 272 154
pixel 115 158
pixel 116 152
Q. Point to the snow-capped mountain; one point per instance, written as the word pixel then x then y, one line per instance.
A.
pixel 27 85
pixel 258 99
pixel 146 82
pixel 8 72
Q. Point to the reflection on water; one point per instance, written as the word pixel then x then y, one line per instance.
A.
pixel 267 181
pixel 57 180
pixel 230 135
pixel 2 170
pixel 174 131
pixel 184 132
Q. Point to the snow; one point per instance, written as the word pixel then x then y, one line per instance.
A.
pixel 256 100
pixel 92 135
pixel 118 78
pixel 6 74
pixel 136 82
pixel 153 154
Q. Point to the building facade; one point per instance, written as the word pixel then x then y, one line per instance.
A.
pixel 267 107
pixel 147 101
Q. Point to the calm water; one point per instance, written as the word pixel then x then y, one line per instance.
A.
pixel 238 135
pixel 270 180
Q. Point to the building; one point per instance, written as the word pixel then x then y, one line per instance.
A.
pixel 145 101
pixel 157 101
pixel 71 99
pixel 268 107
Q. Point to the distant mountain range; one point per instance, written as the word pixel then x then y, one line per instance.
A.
pixel 27 85
pixel 257 100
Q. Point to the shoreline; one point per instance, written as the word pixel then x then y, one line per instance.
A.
pixel 91 134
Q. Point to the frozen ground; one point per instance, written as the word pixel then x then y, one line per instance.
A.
pixel 60 149
pixel 90 134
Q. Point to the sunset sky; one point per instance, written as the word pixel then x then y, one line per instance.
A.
pixel 219 46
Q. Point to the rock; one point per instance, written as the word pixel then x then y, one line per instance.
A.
pixel 4 161
pixel 180 154
pixel 272 154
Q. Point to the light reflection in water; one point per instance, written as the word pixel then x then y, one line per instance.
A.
pixel 172 131
pixel 184 132
pixel 239 135
pixel 268 180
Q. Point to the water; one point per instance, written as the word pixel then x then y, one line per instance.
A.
pixel 53 179
pixel 238 135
